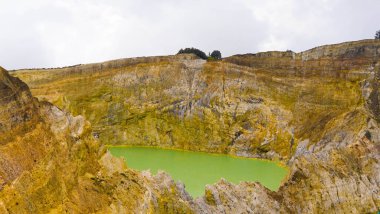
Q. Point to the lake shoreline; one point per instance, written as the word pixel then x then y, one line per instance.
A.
pixel 234 169
pixel 278 162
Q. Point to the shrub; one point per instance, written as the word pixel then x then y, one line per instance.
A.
pixel 377 35
pixel 216 54
pixel 195 51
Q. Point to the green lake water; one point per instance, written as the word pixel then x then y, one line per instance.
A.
pixel 196 169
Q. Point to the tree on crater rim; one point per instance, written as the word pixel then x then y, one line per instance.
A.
pixel 195 51
pixel 216 54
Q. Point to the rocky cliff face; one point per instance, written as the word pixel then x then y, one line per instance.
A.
pixel 258 105
pixel 339 174
pixel 349 59
pixel 50 163
pixel 317 111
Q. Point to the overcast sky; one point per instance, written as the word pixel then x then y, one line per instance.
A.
pixel 50 33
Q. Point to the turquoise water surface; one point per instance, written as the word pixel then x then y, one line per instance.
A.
pixel 196 169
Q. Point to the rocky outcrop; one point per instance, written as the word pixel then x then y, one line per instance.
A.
pixel 18 104
pixel 114 64
pixel 19 114
pixel 56 166
pixel 316 111
pixel 339 174
pixel 262 110
pixel 349 60
pixel 247 197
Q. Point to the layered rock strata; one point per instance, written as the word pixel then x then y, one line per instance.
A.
pixel 316 111
pixel 50 163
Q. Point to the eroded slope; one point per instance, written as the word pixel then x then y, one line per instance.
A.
pixel 317 110
pixel 259 105
pixel 51 163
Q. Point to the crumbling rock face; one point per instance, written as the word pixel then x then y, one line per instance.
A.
pixel 339 174
pixel 353 58
pixel 317 111
pixel 18 105
pixel 18 120
pixel 371 92
pixel 116 64
pixel 246 197
pixel 56 166
pixel 259 105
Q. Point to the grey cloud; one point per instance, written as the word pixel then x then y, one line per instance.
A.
pixel 47 33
